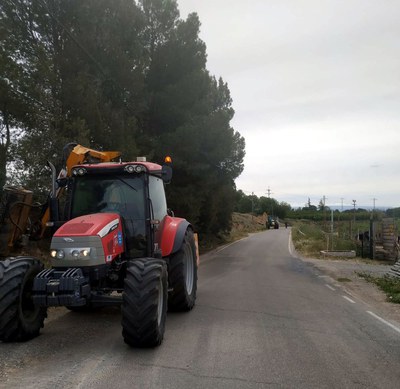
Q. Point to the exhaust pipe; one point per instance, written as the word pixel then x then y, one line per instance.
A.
pixel 53 202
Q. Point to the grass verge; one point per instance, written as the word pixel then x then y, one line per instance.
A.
pixel 310 238
pixel 389 285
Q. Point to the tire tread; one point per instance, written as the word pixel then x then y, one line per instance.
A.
pixel 140 326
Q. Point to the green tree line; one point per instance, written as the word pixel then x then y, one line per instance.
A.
pixel 117 75
pixel 393 212
pixel 260 205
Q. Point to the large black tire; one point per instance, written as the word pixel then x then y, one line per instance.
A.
pixel 20 319
pixel 144 303
pixel 182 274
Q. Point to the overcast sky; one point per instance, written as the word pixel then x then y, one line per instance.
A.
pixel 316 91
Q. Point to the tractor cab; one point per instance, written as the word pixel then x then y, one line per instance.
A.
pixel 124 195
pixel 135 191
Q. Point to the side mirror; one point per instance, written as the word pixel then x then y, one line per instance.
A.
pixel 166 174
pixel 62 182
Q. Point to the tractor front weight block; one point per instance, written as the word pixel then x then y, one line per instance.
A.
pixel 60 287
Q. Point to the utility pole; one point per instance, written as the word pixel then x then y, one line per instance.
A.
pixel 373 209
pixel 252 205
pixel 339 221
pixel 324 198
pixel 332 229
pixel 372 233
pixel 354 217
pixel 269 193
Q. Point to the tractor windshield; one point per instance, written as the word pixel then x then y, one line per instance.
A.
pixel 120 194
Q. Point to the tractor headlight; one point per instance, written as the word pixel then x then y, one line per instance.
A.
pixel 139 168
pixel 130 168
pixel 59 254
pixel 80 253
pixel 80 171
pixel 134 168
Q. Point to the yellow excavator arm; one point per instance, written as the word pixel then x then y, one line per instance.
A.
pixel 16 210
pixel 81 154
pixel 77 156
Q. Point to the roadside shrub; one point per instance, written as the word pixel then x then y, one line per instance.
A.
pixel 389 285
pixel 309 238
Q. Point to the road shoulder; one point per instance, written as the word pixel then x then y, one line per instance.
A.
pixel 345 274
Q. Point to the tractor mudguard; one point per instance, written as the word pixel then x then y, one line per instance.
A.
pixel 174 230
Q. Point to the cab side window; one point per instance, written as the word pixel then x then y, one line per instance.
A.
pixel 157 197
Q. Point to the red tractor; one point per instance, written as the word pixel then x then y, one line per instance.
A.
pixel 119 245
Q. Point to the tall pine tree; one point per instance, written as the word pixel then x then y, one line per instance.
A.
pixel 122 75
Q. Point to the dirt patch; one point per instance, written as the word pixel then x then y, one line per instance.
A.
pixel 243 223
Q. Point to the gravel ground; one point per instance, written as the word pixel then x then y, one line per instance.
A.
pixel 345 274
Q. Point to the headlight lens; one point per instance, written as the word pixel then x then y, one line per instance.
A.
pixel 130 168
pixel 139 168
pixel 134 168
pixel 80 171
pixel 71 253
pixel 59 254
pixel 80 253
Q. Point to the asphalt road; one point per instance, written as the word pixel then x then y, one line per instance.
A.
pixel 263 319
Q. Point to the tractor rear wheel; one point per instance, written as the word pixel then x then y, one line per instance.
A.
pixel 20 319
pixel 144 303
pixel 183 275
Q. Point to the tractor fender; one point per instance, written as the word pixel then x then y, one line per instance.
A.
pixel 173 234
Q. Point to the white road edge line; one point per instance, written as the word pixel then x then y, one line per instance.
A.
pixel 349 299
pixel 230 244
pixel 397 329
pixel 330 287
pixel 291 252
pixel 289 248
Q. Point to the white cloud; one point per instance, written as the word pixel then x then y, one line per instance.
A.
pixel 316 91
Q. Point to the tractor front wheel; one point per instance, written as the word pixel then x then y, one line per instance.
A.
pixel 144 303
pixel 20 319
pixel 183 275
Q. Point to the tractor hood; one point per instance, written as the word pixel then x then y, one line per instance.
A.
pixel 99 224
pixel 88 240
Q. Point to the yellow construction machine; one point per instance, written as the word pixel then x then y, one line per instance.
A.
pixel 21 219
